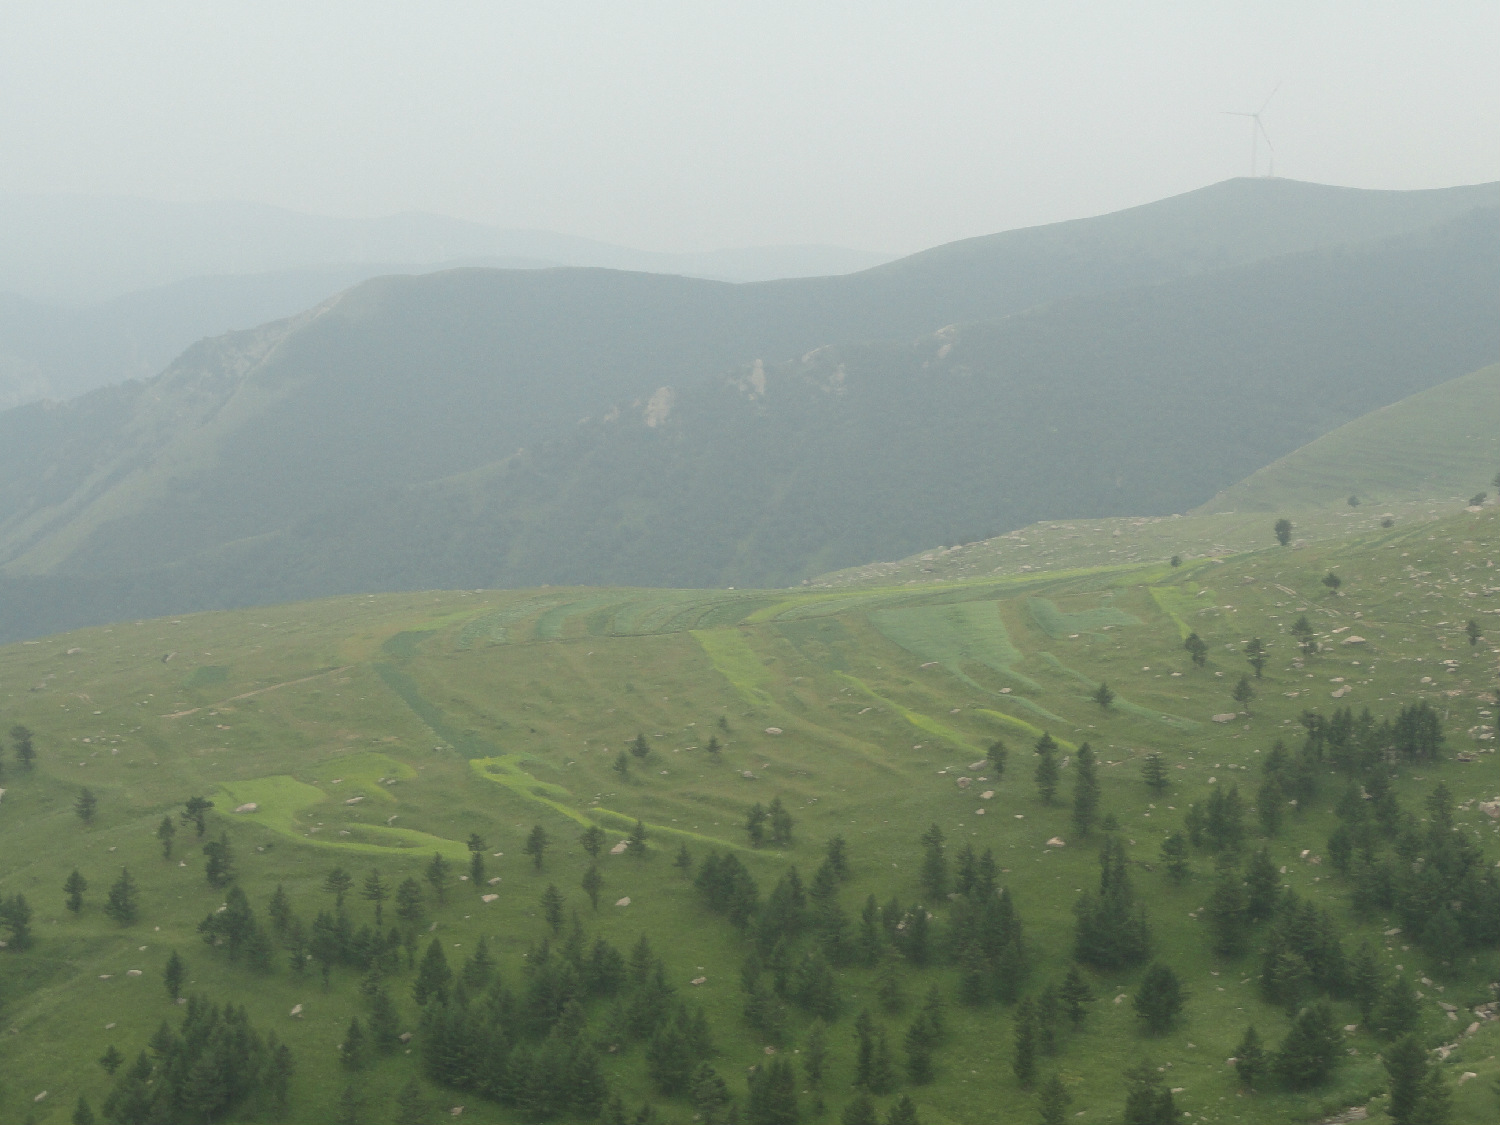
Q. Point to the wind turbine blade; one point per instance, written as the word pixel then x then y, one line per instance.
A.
pixel 1269 96
pixel 1264 134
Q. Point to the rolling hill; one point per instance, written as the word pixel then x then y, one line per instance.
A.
pixel 1442 443
pixel 366 734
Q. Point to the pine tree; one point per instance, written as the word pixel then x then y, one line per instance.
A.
pixel 83 1113
pixel 1076 996
pixel 194 812
pixel 815 1054
pixel 351 1106
pixel 903 1113
pixel 1197 649
pixel 1243 693
pixel 121 905
pixel 1154 773
pixel 1302 629
pixel 1283 530
pixel 755 824
pixel 1046 768
pixel 218 863
pixel 86 805
pixel 1473 632
pixel 997 755
pixel 934 874
pixel 1333 582
pixel 919 1042
pixel 1052 1101
pixel 1023 1063
pixel 1103 696
pixel 1159 999
pixel 1311 1049
pixel 1085 791
pixel 25 746
pixel 376 891
pixel 409 906
pixel 173 975
pixel 1147 1099
pixel 1227 912
pixel 1406 1066
pixel 637 840
pixel 166 832
pixel 433 976
pixel 1250 1058
pixel 352 1049
pixel 781 823
pixel 710 1095
pixel 714 747
pixel 683 860
pixel 640 747
pixel 1174 853
pixel 591 883
pixel 476 845
pixel 592 840
pixel 74 887
pixel 437 876
pixel 111 1060
pixel 860 1111
pixel 1398 1012
pixel 552 908
pixel 1255 653
pixel 1262 886
pixel 411 1106
pixel 622 765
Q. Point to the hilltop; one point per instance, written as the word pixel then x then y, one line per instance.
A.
pixel 505 428
pixel 370 732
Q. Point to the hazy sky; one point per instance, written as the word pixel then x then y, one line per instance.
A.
pixel 692 125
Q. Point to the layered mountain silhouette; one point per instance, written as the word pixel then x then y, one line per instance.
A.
pixel 482 427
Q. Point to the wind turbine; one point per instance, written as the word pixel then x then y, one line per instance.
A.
pixel 1257 131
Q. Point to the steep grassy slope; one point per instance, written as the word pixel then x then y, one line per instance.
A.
pixel 1443 442
pixel 372 731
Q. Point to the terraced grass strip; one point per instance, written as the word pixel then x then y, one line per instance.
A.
pixel 915 718
pixel 281 798
pixel 737 662
pixel 1025 727
pixel 1169 600
pixel 1120 703
pixel 1058 624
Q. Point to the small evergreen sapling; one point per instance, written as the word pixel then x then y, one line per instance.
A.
pixel 1255 653
pixel 1154 773
pixel 86 805
pixel 74 887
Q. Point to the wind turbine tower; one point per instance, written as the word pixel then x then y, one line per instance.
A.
pixel 1257 131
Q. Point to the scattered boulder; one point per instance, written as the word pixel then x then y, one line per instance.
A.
pixel 249 806
pixel 965 782
pixel 132 972
pixel 986 795
pixel 354 800
pixel 698 980
pixel 624 901
pixel 1057 842
pixel 1353 639
pixel 747 775
pixel 621 848
pixel 296 1012
pixel 773 730
pixel 1225 718
pixel 488 898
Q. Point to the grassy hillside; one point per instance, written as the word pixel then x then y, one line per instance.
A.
pixel 1441 443
pixel 371 732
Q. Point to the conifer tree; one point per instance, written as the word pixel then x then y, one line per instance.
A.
pixel 1148 1101
pixel 640 747
pixel 86 806
pixel 1262 886
pixel 997 755
pixel 1197 649
pixel 1159 999
pixel 781 823
pixel 476 846
pixel 537 843
pixel 1406 1066
pixel 1250 1058
pixel 1255 653
pixel 637 840
pixel 351 1106
pixel 1085 791
pixel 1052 1101
pixel 1103 696
pixel 25 746
pixel 194 812
pixel 352 1049
pixel 111 1060
pixel 1076 996
pixel 433 976
pixel 592 840
pixel 1023 1062
pixel 622 765
pixel 409 906
pixel 934 874
pixel 376 891
pixel 74 887
pixel 1473 632
pixel 919 1043
pixel 83 1113
pixel 755 824
pixel 1398 1012
pixel 882 1066
pixel 1311 1049
pixel 710 1095
pixel 166 833
pixel 860 1111
pixel 552 908
pixel 1283 531
pixel 1302 629
pixel 173 975
pixel 437 876
pixel 903 1113
pixel 714 747
pixel 121 906
pixel 411 1106
pixel 1227 912
pixel 1243 693
pixel 1154 773
pixel 591 883
pixel 218 862
pixel 815 1054
pixel 1046 768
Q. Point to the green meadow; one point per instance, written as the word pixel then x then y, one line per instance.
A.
pixel 370 732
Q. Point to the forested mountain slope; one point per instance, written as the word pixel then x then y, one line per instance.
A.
pixel 498 427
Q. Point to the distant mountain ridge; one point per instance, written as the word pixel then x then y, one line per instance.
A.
pixel 480 427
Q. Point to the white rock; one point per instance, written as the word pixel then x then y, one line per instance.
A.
pixel 698 980
pixel 488 898
pixel 621 848
pixel 354 800
pixel 297 1011
pixel 250 806
pixel 132 972
pixel 986 795
pixel 1352 639
pixel 1226 718
pixel 773 730
pixel 1057 842
pixel 624 901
